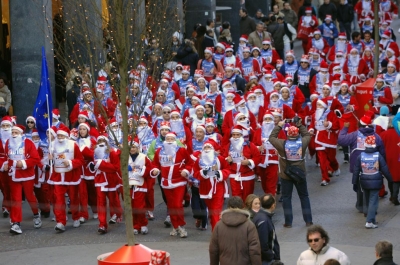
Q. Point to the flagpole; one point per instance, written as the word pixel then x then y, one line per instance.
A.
pixel 48 122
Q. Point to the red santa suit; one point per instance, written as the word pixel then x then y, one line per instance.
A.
pixel 171 160
pixel 325 139
pixel 320 79
pixel 388 10
pixel 242 176
pixel 391 141
pixel 341 46
pixel 66 179
pixel 212 171
pixel 87 189
pixel 106 165
pixel 321 45
pixel 350 105
pixel 22 150
pixel 363 9
pixel 307 25
pixel 356 68
pixel 381 97
pixel 4 178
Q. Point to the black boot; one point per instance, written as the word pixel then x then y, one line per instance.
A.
pixel 346 154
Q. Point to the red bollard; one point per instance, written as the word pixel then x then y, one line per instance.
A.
pixel 127 255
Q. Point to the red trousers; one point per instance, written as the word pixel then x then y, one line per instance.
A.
pixel 174 204
pixel 59 202
pixel 215 206
pixel 304 44
pixel 115 205
pixel 139 209
pixel 87 196
pixel 43 196
pixel 149 195
pixel 328 162
pixel 16 189
pixel 242 189
pixel 5 180
pixel 269 178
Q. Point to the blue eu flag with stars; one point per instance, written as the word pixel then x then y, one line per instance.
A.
pixel 44 103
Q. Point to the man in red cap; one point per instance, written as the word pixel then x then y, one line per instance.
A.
pixel 20 162
pixel 382 95
pixel 355 67
pixel 325 125
pixel 318 43
pixel 212 171
pixel 67 161
pixel 5 134
pixel 174 164
pixel 243 157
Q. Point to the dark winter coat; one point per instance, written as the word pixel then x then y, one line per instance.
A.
pixel 327 9
pixel 270 249
pixel 350 139
pixel 240 83
pixel 277 31
pixel 234 240
pixel 345 13
pixel 186 56
pixel 371 181
pixel 384 261
pixel 208 42
pixel 247 25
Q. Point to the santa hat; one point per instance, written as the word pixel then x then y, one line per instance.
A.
pixel 323 102
pixel 268 73
pixel 141 66
pixel 202 127
pixel 273 93
pixel 255 49
pixel 328 17
pixel 237 116
pixel 276 82
pixel 199 106
pixel 380 78
pixel 229 67
pixel 290 53
pixel 250 94
pixel 35 132
pixel 288 77
pixel 219 76
pixel 268 114
pixel 85 124
pixel 368 18
pixel 222 46
pixel 354 49
pixel 308 10
pixel 30 118
pixel 73 134
pixel 56 114
pixel 365 120
pixel 292 131
pixel 83 114
pixel 171 134
pixel 238 129
pixel 228 48
pixel 305 58
pixel 244 37
pixel 312 51
pixel 134 141
pixel 165 125
pixel 225 83
pixel 19 128
pixel 342 35
pixel 196 97
pixel 113 122
pixel 238 70
pixel 101 79
pixel 167 107
pixel 165 79
pixel 266 41
pixel 370 141
pixel 210 122
pixel 285 88
pixel 246 49
pixel 190 87
pixel 344 83
pixel 336 66
pixel 198 73
pixel 209 50
pixel 392 64
pixel 315 94
pixel 201 78
pixel 276 112
pixel 103 136
pixel 252 75
pixel 133 74
pixel 209 102
pixel 53 131
pixel 317 32
pixel 143 119
pixel 211 143
pixel 323 66
pixel 179 65
pixel 326 85
pixel 186 69
pixel 63 130
pixel 238 100
pixel 86 90
pixel 161 91
pixel 279 62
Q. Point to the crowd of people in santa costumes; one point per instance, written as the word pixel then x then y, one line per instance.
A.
pixel 208 136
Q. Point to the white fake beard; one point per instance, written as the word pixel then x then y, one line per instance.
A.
pixel 260 100
pixel 36 142
pixel 319 44
pixel 244 110
pixel 307 20
pixel 366 6
pixel 274 104
pixel 324 77
pixel 229 105
pixel 253 106
pixel 207 157
pixel 341 46
pixel 100 151
pixel 318 114
pixel 15 142
pixel 267 127
pixel 5 134
pixel 340 61
pixel 237 144
pixel 335 90
pixel 226 91
pixel 384 42
pixel 176 126
pixel 84 142
pixel 244 124
pixel 268 85
pixel 354 59
pixel 170 148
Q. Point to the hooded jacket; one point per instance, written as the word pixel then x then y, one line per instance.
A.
pixel 234 240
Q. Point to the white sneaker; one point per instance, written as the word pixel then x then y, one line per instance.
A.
pixel 174 232
pixel 76 224
pixel 336 172
pixel 95 216
pixel 167 221
pixel 59 227
pixel 37 223
pixel 144 230
pixel 182 232
pixel 53 218
pixel 324 183
pixel 370 225
pixel 150 215
pixel 82 220
pixel 15 229
pixel 135 231
pixel 113 219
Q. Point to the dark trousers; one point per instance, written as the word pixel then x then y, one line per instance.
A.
pixel 281 53
pixel 199 207
pixel 302 191
pixel 345 27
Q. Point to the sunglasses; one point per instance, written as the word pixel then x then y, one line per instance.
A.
pixel 167 112
pixel 30 122
pixel 315 240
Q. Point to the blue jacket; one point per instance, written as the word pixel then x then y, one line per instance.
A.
pixel 270 249
pixel 372 181
pixel 350 139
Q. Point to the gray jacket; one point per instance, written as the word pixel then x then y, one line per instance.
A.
pixel 290 17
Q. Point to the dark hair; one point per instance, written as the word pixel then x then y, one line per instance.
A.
pixel 367 32
pixel 355 34
pixel 77 80
pixel 332 262
pixel 244 10
pixel 226 25
pixel 267 201
pixel 209 21
pixel 318 229
pixel 277 262
pixel 265 20
pixel 384 249
pixel 235 202
pixel 384 63
pixel 209 31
